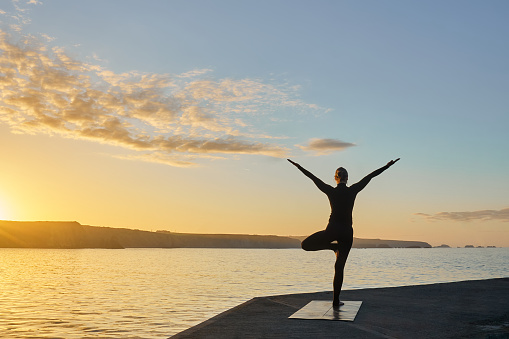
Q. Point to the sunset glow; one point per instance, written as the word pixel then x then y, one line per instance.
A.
pixel 180 115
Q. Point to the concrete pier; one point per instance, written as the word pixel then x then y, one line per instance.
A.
pixel 467 309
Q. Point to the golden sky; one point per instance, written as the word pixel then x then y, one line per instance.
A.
pixel 154 120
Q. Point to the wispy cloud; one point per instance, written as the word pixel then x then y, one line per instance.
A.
pixel 325 146
pixel 19 17
pixel 502 215
pixel 174 119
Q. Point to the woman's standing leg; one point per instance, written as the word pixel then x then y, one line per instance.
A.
pixel 339 268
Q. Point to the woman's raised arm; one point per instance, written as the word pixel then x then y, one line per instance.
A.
pixel 361 184
pixel 319 183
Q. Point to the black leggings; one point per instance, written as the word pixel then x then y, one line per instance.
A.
pixel 322 240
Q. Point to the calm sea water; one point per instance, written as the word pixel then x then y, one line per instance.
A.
pixel 155 293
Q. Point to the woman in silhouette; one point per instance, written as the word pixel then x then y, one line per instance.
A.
pixel 339 228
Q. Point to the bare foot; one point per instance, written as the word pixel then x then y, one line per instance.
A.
pixel 335 248
pixel 336 305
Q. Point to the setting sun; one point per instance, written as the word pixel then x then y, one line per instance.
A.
pixel 2 210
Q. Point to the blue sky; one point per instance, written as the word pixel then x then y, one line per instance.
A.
pixel 424 81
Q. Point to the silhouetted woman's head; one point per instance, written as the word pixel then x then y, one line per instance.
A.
pixel 341 175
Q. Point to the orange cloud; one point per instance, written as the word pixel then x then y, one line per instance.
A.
pixel 43 90
pixel 325 146
pixel 502 215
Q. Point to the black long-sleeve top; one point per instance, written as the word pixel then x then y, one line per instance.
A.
pixel 341 197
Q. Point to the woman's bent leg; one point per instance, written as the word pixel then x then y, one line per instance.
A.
pixel 320 240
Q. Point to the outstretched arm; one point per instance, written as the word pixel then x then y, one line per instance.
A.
pixel 361 184
pixel 319 183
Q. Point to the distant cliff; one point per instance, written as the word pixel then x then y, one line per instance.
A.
pixel 381 243
pixel 52 234
pixel 60 234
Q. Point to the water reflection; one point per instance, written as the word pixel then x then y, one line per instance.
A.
pixel 154 293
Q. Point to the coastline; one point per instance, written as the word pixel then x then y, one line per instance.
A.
pixel 73 235
pixel 474 309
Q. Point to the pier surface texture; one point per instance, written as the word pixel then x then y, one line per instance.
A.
pixel 467 309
